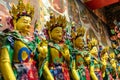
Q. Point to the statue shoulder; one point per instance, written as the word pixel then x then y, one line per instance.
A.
pixel 9 38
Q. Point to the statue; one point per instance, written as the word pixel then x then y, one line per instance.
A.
pixel 21 50
pixel 113 70
pixel 95 64
pixel 58 53
pixel 78 54
pixel 105 64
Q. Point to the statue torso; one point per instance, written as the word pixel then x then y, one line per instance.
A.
pixel 56 54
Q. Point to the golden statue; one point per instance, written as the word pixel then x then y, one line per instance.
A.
pixel 113 72
pixel 81 71
pixel 21 50
pixel 58 52
pixel 95 68
pixel 104 61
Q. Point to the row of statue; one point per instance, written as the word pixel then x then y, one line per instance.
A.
pixel 27 57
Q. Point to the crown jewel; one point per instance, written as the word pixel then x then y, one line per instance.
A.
pixel 21 9
pixel 59 21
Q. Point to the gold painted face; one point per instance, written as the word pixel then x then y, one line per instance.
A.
pixel 23 25
pixel 94 51
pixel 112 55
pixel 113 63
pixel 56 34
pixel 106 56
pixel 79 43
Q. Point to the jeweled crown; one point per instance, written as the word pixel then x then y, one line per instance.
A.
pixel 54 21
pixel 80 31
pixel 21 10
pixel 92 43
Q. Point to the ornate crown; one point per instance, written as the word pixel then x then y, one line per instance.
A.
pixel 106 49
pixel 80 31
pixel 92 43
pixel 21 10
pixel 54 21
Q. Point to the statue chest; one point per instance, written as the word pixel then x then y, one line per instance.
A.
pixel 21 51
pixel 79 60
pixel 56 56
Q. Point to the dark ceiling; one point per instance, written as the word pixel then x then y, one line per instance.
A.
pixel 112 12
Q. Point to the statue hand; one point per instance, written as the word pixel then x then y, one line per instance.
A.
pixel 66 53
pixel 43 49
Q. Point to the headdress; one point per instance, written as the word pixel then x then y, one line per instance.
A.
pixel 80 31
pixel 106 49
pixel 21 10
pixel 92 43
pixel 54 21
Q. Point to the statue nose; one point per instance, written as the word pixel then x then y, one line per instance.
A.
pixel 28 26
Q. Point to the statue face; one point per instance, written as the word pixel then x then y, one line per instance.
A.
pixel 23 25
pixel 79 43
pixel 112 55
pixel 106 56
pixel 94 51
pixel 56 34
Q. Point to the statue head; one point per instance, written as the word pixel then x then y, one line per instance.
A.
pixel 79 43
pixel 22 15
pixel 78 37
pixel 80 31
pixel 113 63
pixel 92 45
pixel 55 27
pixel 104 53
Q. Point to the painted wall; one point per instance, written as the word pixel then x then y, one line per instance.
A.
pixel 74 10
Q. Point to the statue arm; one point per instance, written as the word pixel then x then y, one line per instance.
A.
pixel 74 72
pixel 5 65
pixel 92 73
pixel 43 50
pixel 46 72
pixel 104 64
pixel 66 53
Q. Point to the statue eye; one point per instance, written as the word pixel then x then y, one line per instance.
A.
pixel 25 21
pixel 57 31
